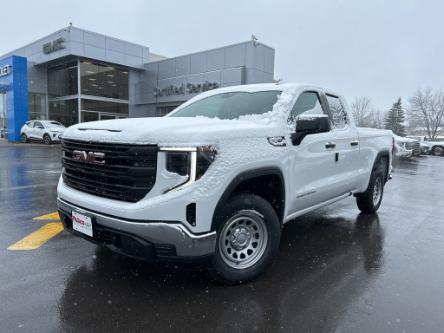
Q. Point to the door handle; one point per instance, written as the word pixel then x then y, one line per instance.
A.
pixel 330 145
pixel 354 143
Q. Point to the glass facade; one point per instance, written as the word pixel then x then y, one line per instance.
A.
pixel 64 111
pixel 89 116
pixel 104 106
pixel 62 80
pixel 102 110
pixel 37 106
pixel 103 93
pixel 103 80
pixel 164 110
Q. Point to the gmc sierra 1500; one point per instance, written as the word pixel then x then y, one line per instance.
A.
pixel 219 176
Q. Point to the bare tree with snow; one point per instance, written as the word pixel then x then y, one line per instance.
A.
pixel 361 111
pixel 376 119
pixel 427 110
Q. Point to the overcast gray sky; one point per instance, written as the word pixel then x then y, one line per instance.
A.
pixel 380 49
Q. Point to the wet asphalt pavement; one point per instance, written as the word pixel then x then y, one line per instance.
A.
pixel 336 270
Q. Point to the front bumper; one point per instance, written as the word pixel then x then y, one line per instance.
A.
pixel 164 239
pixel 55 136
pixel 402 153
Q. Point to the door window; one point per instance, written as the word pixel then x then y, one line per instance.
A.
pixel 337 110
pixel 38 124
pixel 308 103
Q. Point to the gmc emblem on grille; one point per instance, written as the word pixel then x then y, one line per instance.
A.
pixel 88 157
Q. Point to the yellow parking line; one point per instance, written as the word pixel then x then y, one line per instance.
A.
pixel 48 217
pixel 38 237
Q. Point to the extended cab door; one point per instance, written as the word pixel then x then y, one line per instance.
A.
pixel 312 156
pixel 347 145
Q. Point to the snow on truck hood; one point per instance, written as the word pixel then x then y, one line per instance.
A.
pixel 168 130
pixel 195 130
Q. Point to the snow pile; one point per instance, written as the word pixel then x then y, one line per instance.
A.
pixel 280 113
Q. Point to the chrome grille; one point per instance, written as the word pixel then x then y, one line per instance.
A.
pixel 127 174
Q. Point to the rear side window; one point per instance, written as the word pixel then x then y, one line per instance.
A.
pixel 338 113
pixel 38 124
pixel 308 103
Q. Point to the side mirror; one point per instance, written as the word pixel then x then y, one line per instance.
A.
pixel 307 126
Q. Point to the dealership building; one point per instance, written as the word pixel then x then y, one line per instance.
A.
pixel 75 75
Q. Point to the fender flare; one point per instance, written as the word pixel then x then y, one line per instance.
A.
pixel 382 154
pixel 247 175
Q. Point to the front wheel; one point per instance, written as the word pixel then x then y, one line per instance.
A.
pixel 23 138
pixel 46 139
pixel 369 201
pixel 248 236
pixel 437 151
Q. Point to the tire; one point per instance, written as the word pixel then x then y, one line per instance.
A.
pixel 437 151
pixel 245 257
pixel 23 138
pixel 369 201
pixel 47 139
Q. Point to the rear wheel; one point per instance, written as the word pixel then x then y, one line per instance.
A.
pixel 46 139
pixel 248 236
pixel 437 151
pixel 369 201
pixel 23 138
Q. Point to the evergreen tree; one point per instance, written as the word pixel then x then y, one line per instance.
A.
pixel 394 119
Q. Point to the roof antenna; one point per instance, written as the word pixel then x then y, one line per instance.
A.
pixel 254 39
pixel 68 28
pixel 278 81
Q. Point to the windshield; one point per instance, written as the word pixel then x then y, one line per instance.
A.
pixel 56 123
pixel 230 105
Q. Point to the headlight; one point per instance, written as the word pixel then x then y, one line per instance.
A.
pixel 205 156
pixel 179 162
pixel 191 162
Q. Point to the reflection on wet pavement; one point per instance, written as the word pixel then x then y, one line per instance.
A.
pixel 322 263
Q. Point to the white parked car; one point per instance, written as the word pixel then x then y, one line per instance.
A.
pixel 424 145
pixel 436 147
pixel 218 177
pixel 47 131
pixel 405 147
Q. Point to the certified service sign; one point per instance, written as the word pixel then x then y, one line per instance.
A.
pixel 5 70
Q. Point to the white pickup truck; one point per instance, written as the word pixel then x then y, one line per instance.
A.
pixel 219 176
